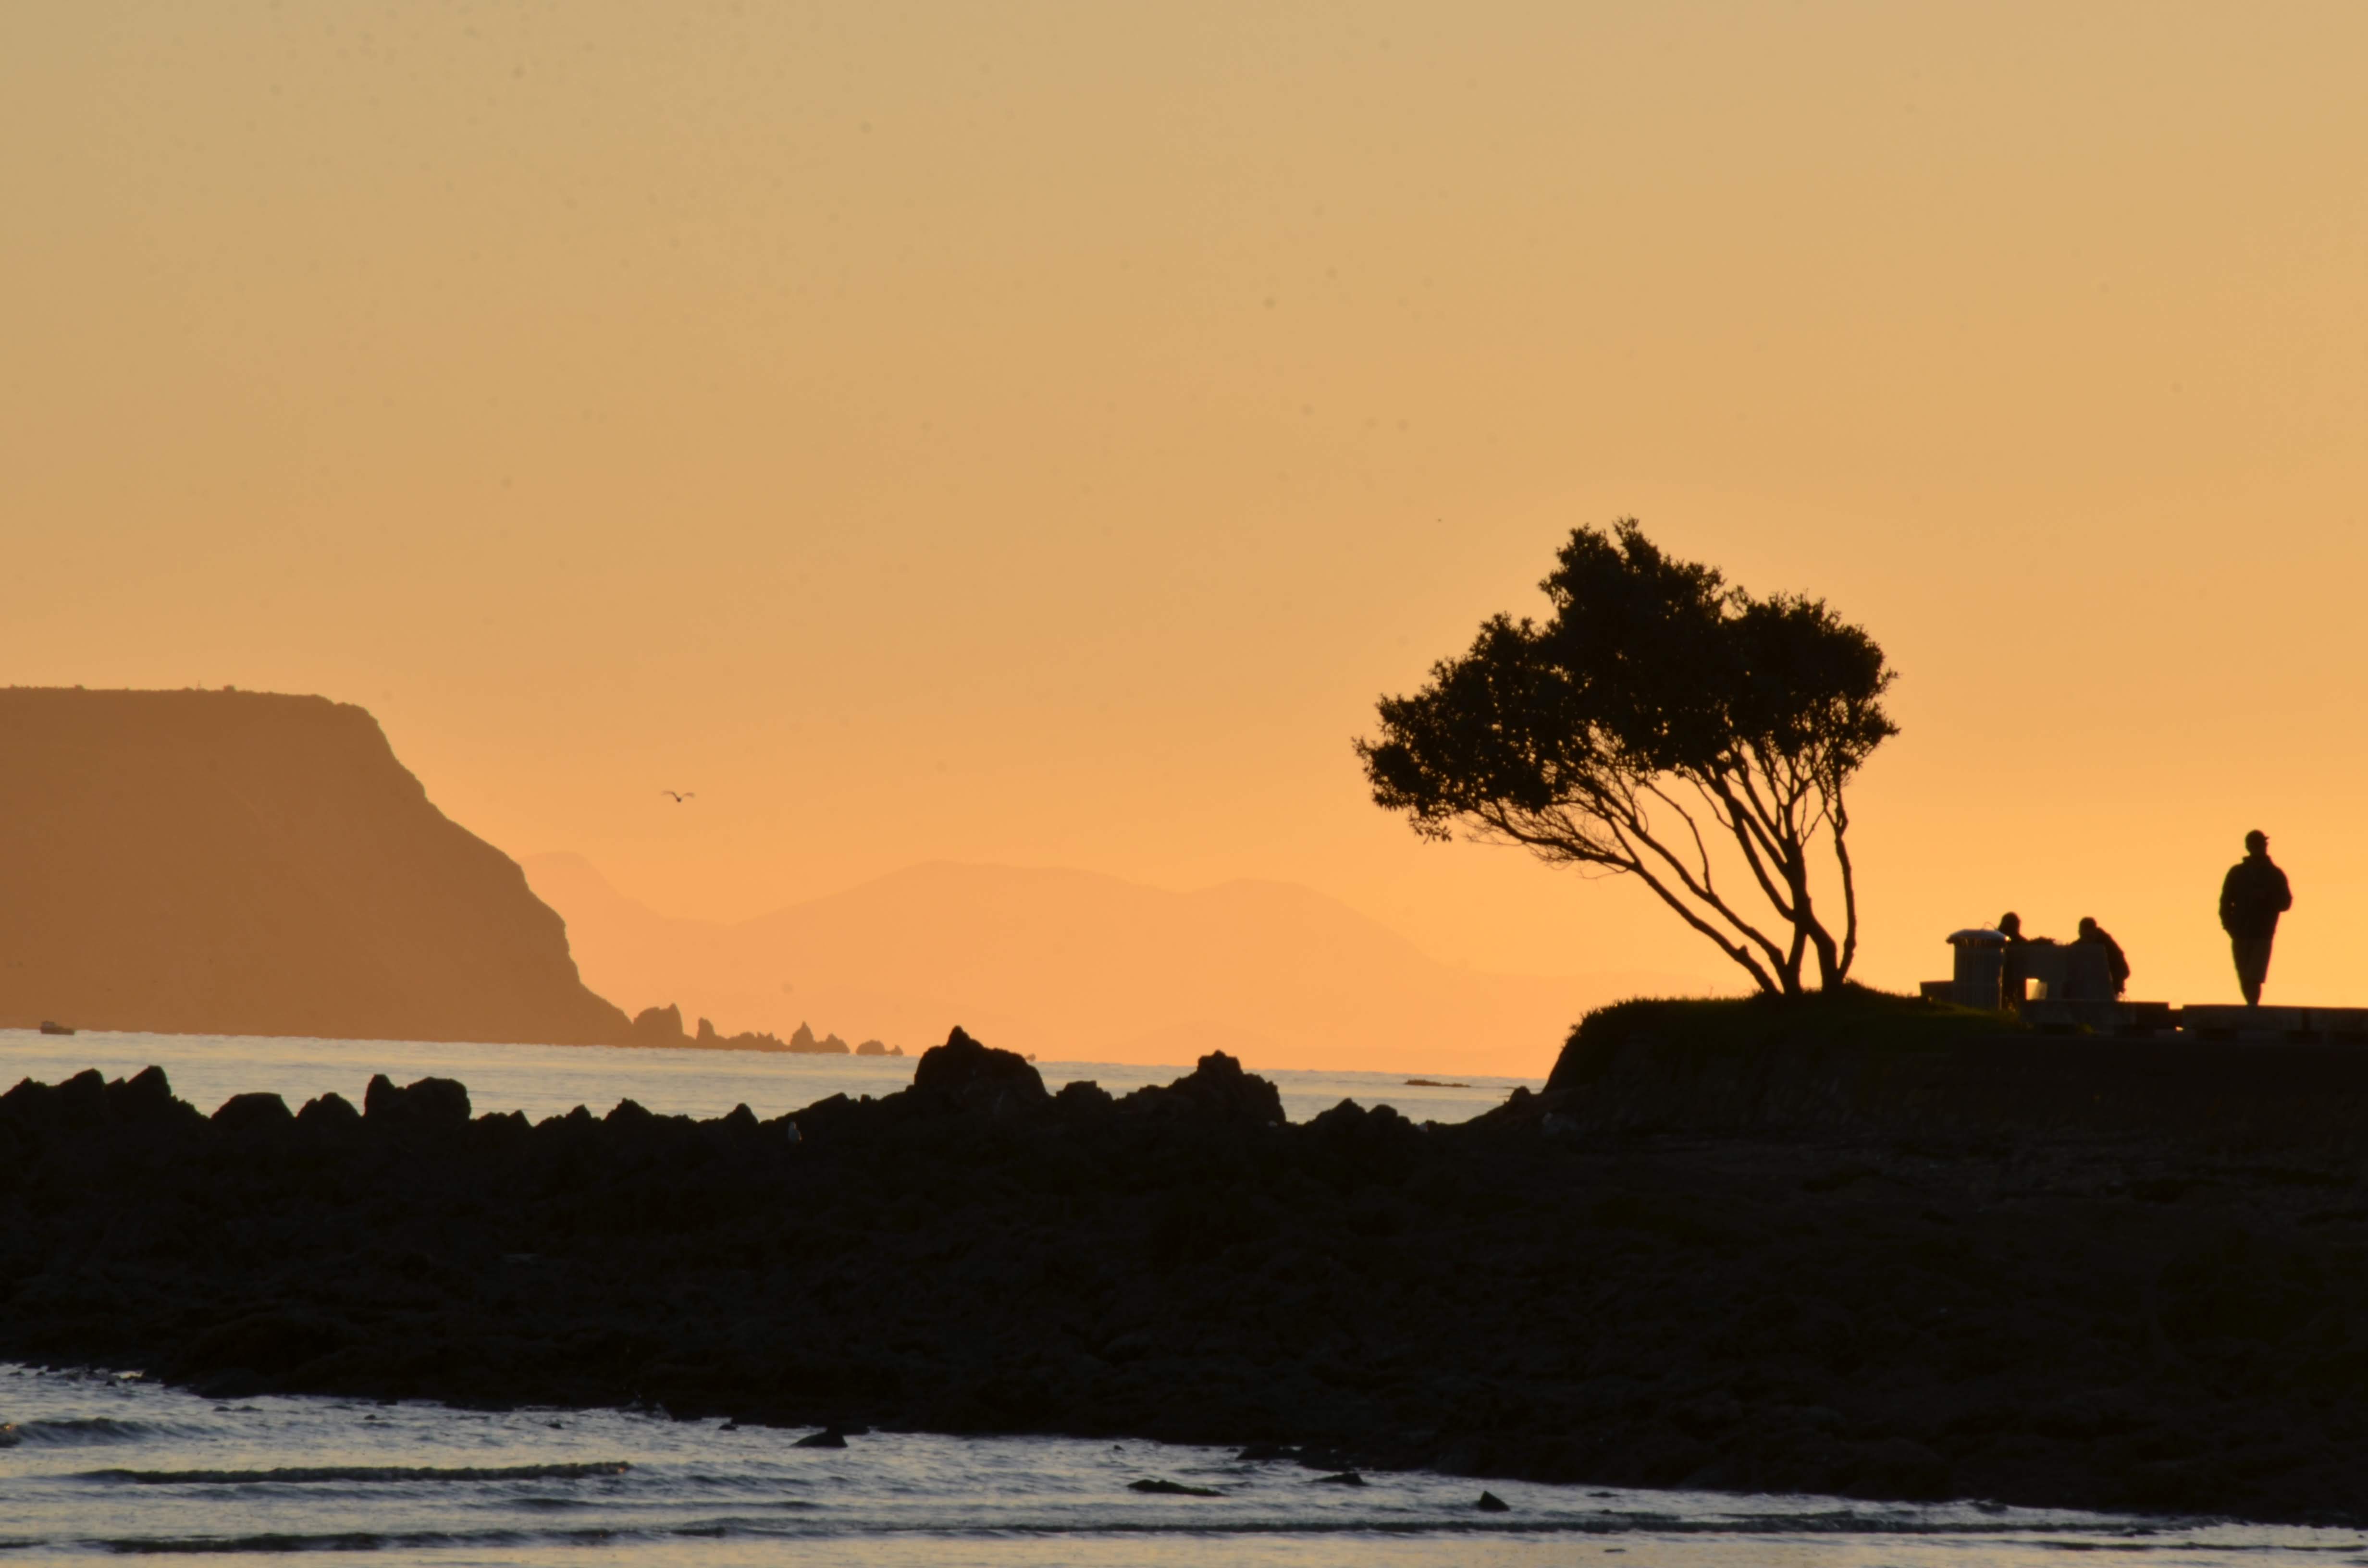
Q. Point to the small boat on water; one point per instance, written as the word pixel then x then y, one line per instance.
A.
pixel 51 1025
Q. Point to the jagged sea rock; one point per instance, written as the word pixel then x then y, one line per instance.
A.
pixel 658 1025
pixel 978 1077
pixel 1216 1090
pixel 430 1102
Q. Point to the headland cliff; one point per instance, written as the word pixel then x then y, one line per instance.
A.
pixel 228 862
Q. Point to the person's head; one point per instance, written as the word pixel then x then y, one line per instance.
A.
pixel 2088 925
pixel 2257 842
pixel 2011 922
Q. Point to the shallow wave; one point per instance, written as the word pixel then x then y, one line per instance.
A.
pixel 352 1540
pixel 753 1529
pixel 307 1474
pixel 77 1430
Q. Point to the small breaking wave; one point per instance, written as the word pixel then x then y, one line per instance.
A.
pixel 351 1540
pixel 75 1431
pixel 301 1475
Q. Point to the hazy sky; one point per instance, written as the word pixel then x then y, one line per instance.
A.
pixel 1036 433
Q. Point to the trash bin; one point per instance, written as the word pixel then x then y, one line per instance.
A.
pixel 1980 968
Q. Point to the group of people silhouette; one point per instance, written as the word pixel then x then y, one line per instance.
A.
pixel 2009 925
pixel 2253 896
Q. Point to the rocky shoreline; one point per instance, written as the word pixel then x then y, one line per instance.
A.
pixel 1819 1283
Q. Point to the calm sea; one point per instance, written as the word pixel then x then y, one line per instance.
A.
pixel 551 1080
pixel 98 1465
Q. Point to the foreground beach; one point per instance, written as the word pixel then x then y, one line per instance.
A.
pixel 1788 1264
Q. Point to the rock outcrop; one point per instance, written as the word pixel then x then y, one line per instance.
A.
pixel 220 862
pixel 662 1028
pixel 964 1074
pixel 803 1042
pixel 2151 1316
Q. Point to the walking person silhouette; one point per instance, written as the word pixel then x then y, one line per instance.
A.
pixel 2253 896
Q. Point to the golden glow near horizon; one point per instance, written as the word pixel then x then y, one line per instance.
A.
pixel 1037 433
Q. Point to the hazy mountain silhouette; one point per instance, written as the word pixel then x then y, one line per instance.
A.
pixel 244 863
pixel 1073 965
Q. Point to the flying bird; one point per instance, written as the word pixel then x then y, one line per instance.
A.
pixel 679 796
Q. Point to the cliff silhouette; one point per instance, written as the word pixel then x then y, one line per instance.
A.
pixel 229 862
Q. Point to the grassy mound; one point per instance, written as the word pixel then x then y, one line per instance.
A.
pixel 1855 1018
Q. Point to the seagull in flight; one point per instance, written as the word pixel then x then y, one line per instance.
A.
pixel 679 796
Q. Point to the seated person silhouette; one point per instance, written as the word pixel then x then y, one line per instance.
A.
pixel 2116 962
pixel 2013 973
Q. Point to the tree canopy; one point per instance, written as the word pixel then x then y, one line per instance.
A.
pixel 1665 725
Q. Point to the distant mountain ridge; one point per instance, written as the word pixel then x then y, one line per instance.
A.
pixel 1079 966
pixel 231 862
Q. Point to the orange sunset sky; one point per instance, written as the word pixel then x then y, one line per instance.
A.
pixel 1035 434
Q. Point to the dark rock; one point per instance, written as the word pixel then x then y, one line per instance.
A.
pixel 253 1113
pixel 1172 1489
pixel 1490 1503
pixel 658 1025
pixel 1215 1090
pixel 977 1077
pixel 2170 1317
pixel 78 1103
pixel 1084 1097
pixel 708 1038
pixel 145 1099
pixel 331 1111
pixel 1899 1467
pixel 430 1102
pixel 804 1043
pixel 828 1437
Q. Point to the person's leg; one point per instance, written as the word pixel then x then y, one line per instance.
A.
pixel 2252 955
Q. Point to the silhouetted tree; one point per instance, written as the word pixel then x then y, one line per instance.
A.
pixel 1660 713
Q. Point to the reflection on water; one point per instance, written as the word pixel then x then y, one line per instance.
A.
pixel 102 1465
pixel 551 1080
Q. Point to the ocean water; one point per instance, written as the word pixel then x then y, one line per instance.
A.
pixel 99 1465
pixel 103 1466
pixel 551 1080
